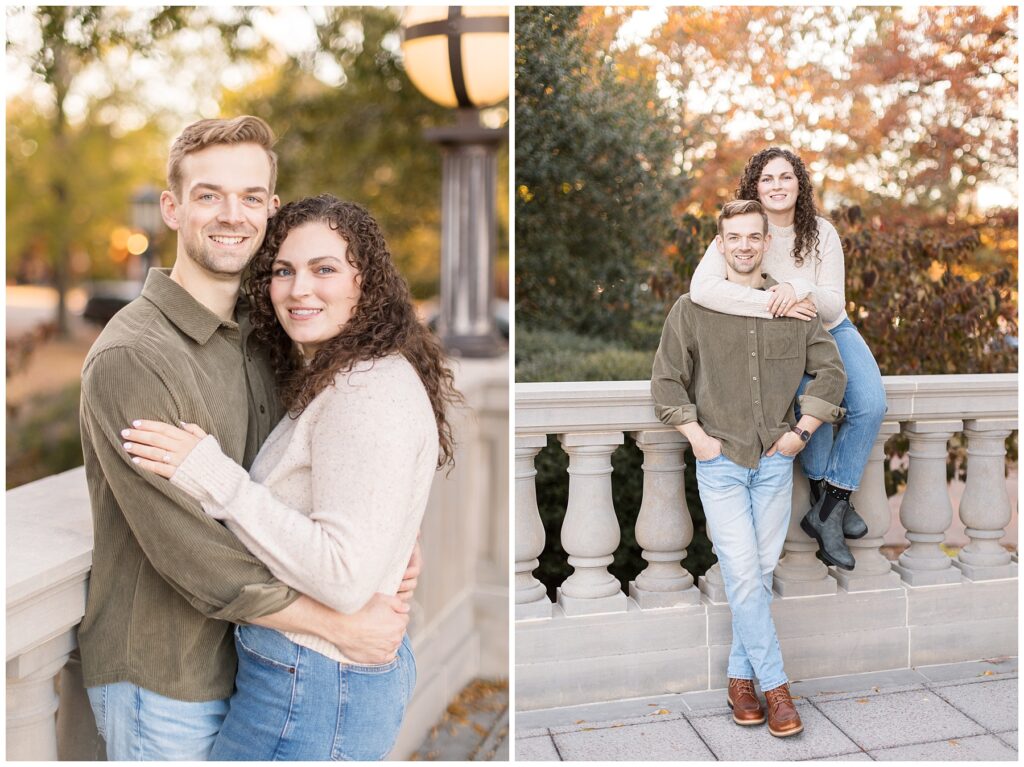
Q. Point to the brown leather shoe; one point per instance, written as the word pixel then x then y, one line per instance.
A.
pixel 746 708
pixel 783 720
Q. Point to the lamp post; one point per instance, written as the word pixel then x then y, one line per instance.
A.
pixel 458 57
pixel 146 217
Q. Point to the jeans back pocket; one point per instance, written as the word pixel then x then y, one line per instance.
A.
pixel 267 646
pixel 372 707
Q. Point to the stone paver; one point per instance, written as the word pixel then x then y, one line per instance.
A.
pixel 981 748
pixel 825 695
pixel 898 719
pixel 993 705
pixel 729 742
pixel 968 669
pixel 844 685
pixel 672 740
pixel 612 711
pixel 661 715
pixel 860 756
pixel 540 749
pixel 958 712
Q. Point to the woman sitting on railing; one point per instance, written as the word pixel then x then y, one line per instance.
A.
pixel 806 258
pixel 338 490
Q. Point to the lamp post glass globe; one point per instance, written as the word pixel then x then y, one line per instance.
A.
pixel 457 56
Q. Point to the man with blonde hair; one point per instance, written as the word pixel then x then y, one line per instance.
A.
pixel 728 383
pixel 168 581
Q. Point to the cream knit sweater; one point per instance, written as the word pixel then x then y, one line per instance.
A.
pixel 823 279
pixel 336 496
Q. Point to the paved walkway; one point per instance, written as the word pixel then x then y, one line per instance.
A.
pixel 474 727
pixel 961 712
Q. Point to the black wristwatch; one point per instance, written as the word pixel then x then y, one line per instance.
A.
pixel 803 434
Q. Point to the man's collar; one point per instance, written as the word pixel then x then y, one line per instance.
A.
pixel 181 308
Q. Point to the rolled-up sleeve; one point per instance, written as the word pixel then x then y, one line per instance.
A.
pixel 823 396
pixel 672 372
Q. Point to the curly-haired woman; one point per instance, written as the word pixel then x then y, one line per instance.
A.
pixel 805 256
pixel 336 495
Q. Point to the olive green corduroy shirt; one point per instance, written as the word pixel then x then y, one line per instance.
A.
pixel 167 579
pixel 738 376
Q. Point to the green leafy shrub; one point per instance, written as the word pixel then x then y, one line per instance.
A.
pixel 564 356
pixel 43 437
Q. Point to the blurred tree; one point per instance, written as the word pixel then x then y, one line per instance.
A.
pixel 914 106
pixel 595 181
pixel 71 37
pixel 95 196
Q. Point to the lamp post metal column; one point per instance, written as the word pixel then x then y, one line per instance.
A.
pixel 146 217
pixel 468 236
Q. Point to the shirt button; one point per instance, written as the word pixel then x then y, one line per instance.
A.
pixel 262 409
pixel 753 354
pixel 754 378
pixel 751 332
pixel 757 402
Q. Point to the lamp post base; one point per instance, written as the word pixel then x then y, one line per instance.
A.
pixel 475 346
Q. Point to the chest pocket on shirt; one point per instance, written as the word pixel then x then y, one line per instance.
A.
pixel 780 341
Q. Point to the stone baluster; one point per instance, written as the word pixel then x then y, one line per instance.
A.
pixel 800 573
pixel 32 700
pixel 663 526
pixel 531 596
pixel 590 531
pixel 985 506
pixel 926 512
pixel 873 571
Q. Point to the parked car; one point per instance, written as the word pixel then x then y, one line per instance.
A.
pixel 108 297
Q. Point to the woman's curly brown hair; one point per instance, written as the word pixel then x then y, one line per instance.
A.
pixel 383 321
pixel 805 225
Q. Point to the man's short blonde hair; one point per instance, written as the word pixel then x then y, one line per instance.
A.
pixel 200 135
pixel 735 208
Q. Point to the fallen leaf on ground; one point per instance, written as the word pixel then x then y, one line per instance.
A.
pixel 953 742
pixel 862 700
pixel 662 711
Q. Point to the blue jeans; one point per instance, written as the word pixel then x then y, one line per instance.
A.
pixel 294 704
pixel 747 511
pixel 839 457
pixel 141 725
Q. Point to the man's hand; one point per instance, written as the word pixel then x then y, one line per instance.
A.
pixel 412 574
pixel 783 296
pixel 788 444
pixel 705 448
pixel 373 634
pixel 804 309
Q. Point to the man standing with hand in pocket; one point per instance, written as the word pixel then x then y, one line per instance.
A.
pixel 728 384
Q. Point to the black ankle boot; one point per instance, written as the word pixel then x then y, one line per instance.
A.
pixel 828 533
pixel 854 526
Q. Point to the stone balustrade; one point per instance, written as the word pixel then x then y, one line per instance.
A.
pixel 596 642
pixel 459 627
